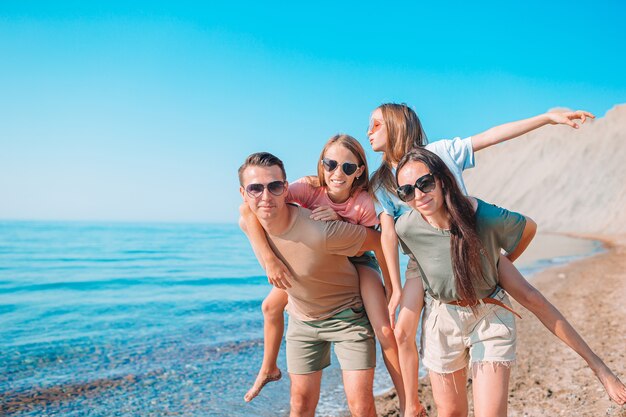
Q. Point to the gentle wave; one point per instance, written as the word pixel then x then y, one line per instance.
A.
pixel 128 282
pixel 95 260
pixel 7 308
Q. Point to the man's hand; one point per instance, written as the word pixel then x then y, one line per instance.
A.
pixel 567 118
pixel 277 273
pixel 324 213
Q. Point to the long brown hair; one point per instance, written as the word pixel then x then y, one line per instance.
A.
pixel 362 182
pixel 404 133
pixel 465 245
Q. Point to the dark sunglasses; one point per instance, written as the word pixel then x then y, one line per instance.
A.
pixel 348 167
pixel 425 184
pixel 274 187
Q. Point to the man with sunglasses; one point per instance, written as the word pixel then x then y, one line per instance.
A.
pixel 325 305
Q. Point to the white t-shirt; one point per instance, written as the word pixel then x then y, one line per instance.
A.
pixel 457 154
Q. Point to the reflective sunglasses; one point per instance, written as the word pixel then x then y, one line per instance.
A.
pixel 348 167
pixel 274 187
pixel 425 184
pixel 374 126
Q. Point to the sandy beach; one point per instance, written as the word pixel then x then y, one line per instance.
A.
pixel 549 379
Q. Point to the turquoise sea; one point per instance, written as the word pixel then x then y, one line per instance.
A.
pixel 123 319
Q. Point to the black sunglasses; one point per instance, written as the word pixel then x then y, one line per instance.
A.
pixel 348 167
pixel 274 187
pixel 425 184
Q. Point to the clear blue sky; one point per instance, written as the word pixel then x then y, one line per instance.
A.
pixel 144 112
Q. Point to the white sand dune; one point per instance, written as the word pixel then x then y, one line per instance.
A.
pixel 567 180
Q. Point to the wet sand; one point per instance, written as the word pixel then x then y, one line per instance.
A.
pixel 549 379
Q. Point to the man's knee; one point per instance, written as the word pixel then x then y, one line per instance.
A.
pixel 362 407
pixel 302 404
pixel 360 392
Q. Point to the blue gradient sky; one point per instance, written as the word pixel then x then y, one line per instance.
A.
pixel 145 112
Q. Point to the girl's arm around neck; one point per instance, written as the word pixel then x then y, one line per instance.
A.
pixel 277 272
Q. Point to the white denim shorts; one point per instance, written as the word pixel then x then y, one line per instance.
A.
pixel 453 336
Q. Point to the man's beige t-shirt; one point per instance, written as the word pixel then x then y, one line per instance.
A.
pixel 324 281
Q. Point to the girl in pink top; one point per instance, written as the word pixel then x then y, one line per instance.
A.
pixel 339 192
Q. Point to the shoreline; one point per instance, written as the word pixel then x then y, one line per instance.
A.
pixel 549 378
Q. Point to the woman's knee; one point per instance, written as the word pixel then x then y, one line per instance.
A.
pixel 451 411
pixel 451 405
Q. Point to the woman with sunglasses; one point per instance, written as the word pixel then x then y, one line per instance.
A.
pixel 454 244
pixel 339 192
pixel 394 130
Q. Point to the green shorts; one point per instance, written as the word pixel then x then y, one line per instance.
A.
pixel 308 342
pixel 368 259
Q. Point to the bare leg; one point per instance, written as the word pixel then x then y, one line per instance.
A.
pixel 375 303
pixel 273 327
pixel 529 297
pixel 305 393
pixel 406 328
pixel 450 393
pixel 359 392
pixel 491 387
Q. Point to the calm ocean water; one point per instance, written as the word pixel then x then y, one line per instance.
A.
pixel 120 319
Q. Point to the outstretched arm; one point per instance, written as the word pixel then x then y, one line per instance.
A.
pixel 277 272
pixel 512 130
pixel 530 298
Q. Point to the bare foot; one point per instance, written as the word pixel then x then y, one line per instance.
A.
pixel 421 412
pixel 613 386
pixel 261 379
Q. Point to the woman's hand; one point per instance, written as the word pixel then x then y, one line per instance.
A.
pixel 324 213
pixel 568 117
pixel 277 273
pixel 393 301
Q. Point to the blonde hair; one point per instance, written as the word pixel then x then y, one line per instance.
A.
pixel 404 133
